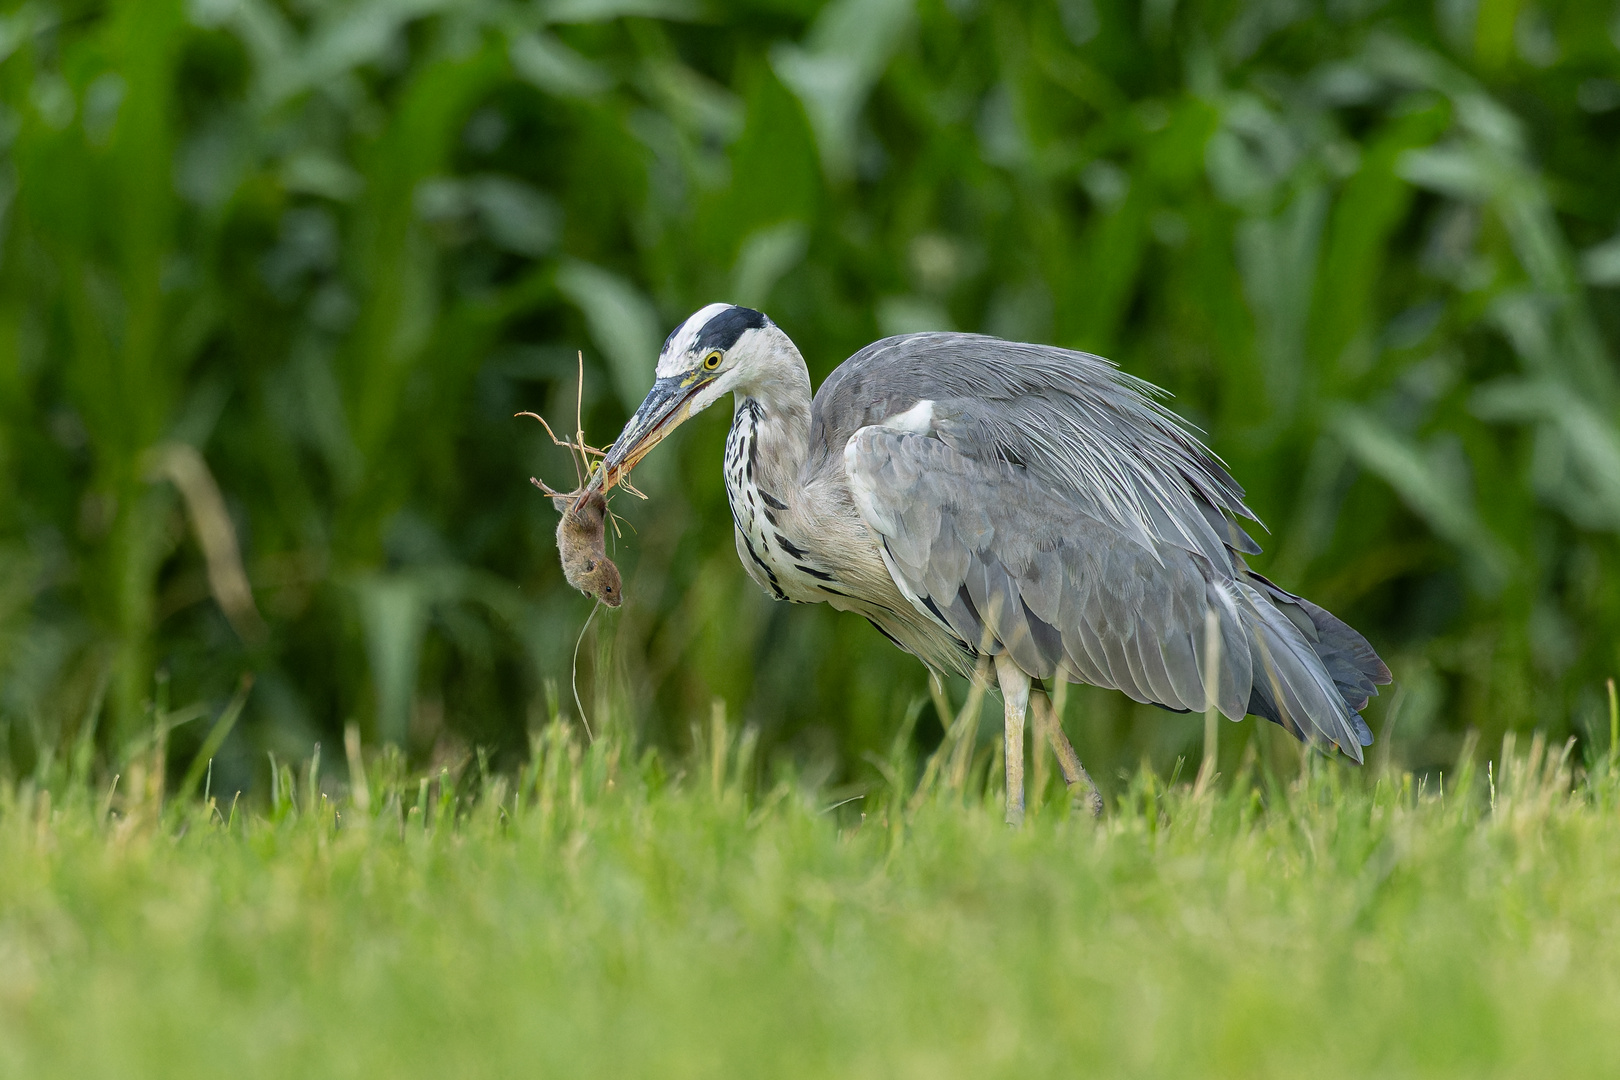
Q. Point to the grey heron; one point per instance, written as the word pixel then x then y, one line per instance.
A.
pixel 974 497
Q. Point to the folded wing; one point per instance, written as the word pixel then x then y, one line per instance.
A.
pixel 991 550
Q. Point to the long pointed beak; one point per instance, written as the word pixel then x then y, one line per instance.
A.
pixel 667 404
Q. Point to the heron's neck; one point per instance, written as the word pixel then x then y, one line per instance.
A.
pixel 780 397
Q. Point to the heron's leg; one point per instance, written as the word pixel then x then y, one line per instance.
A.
pixel 1015 701
pixel 1081 788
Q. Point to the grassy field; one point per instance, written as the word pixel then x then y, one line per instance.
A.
pixel 608 913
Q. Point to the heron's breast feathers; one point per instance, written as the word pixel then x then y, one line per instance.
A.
pixel 799 541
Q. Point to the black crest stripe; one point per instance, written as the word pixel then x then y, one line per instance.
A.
pixel 722 331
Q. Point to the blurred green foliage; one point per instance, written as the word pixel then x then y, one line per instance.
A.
pixel 276 275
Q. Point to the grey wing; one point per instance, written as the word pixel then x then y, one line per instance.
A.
pixel 989 551
pixel 1071 420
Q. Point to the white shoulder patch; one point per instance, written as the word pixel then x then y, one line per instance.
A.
pixel 917 420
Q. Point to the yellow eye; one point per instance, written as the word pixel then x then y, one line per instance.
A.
pixel 712 361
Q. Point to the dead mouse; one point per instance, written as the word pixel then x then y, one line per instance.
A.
pixel 580 542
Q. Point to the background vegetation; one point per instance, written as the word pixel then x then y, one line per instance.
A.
pixel 276 274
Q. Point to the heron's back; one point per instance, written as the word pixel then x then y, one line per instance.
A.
pixel 1087 431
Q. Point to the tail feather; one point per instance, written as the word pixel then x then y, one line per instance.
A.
pixel 1318 673
pixel 1349 658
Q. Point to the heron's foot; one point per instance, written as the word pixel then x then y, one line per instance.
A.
pixel 1015 813
pixel 1084 798
pixel 1083 794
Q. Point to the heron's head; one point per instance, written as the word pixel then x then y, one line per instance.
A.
pixel 719 349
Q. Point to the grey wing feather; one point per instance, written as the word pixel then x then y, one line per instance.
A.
pixel 1104 577
pixel 1056 588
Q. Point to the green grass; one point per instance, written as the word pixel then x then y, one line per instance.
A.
pixel 606 914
